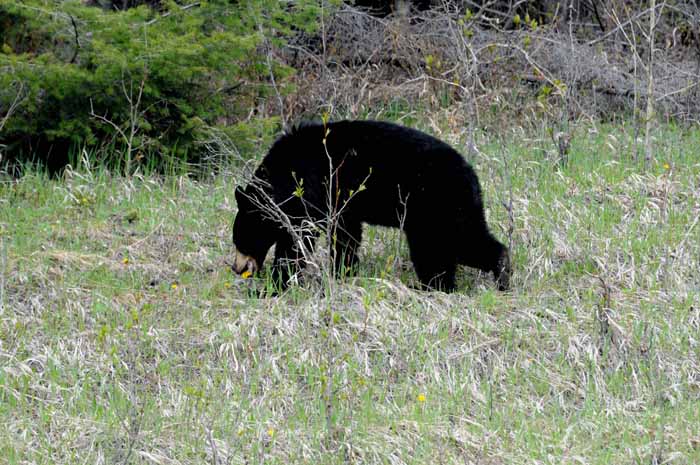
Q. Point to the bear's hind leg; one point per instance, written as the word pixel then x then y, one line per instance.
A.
pixel 434 261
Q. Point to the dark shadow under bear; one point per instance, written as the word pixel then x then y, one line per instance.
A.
pixel 380 173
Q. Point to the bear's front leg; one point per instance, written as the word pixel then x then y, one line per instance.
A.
pixel 289 260
pixel 485 253
pixel 344 245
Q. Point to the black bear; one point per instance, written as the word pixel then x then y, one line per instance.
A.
pixel 372 172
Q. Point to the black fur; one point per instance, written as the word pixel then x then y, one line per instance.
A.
pixel 399 177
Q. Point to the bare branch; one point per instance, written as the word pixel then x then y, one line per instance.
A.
pixel 622 25
pixel 77 43
pixel 165 15
pixel 650 82
pixel 13 106
pixel 135 113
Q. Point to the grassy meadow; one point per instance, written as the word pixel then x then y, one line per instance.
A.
pixel 125 338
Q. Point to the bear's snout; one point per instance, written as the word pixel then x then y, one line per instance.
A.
pixel 243 263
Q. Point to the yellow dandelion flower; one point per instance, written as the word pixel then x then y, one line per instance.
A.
pixel 421 397
pixel 246 274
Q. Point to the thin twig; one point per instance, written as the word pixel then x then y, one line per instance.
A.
pixel 650 84
pixel 165 15
pixel 621 26
pixel 13 106
pixel 77 43
pixel 273 81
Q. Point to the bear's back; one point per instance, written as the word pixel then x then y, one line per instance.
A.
pixel 376 141
pixel 385 157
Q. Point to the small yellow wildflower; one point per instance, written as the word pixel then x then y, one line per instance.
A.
pixel 173 286
pixel 241 431
pixel 227 284
pixel 421 397
pixel 125 260
pixel 246 274
pixel 667 166
pixel 271 432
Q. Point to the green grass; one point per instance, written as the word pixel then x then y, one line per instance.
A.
pixel 124 337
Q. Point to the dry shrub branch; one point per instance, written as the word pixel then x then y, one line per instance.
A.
pixel 477 58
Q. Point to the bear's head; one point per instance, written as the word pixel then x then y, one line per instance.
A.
pixel 253 232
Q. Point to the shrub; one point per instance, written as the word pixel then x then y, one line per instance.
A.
pixel 147 83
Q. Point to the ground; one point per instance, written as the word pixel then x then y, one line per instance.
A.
pixel 124 337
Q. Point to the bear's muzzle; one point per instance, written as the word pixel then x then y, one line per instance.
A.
pixel 243 263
